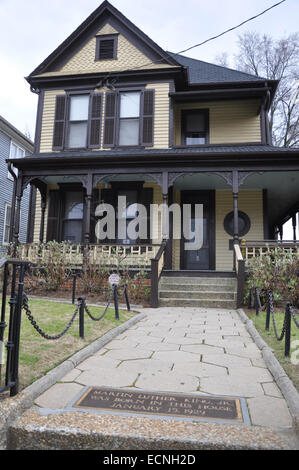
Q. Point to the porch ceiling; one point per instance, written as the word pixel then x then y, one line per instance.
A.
pixel 282 189
pixel 282 192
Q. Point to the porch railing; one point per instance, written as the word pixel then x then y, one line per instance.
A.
pixel 240 271
pixel 115 255
pixel 256 248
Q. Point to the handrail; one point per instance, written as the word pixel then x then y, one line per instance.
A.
pixel 240 271
pixel 265 243
pixel 157 265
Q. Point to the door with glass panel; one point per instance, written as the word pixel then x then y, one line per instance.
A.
pixel 204 258
pixel 72 217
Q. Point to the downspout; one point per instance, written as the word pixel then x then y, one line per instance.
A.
pixel 13 202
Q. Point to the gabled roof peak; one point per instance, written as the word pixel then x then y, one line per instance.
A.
pixel 90 27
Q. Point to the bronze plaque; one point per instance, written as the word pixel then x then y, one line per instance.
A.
pixel 163 404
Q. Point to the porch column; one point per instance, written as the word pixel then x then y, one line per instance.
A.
pixel 236 208
pixel 165 222
pixel 88 198
pixel 42 220
pixel 88 184
pixel 16 230
pixel 294 223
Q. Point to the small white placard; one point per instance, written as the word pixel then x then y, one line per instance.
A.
pixel 114 279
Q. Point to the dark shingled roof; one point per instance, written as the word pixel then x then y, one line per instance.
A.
pixel 204 72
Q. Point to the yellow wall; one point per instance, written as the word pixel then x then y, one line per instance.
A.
pixel 230 121
pixel 250 202
pixel 161 117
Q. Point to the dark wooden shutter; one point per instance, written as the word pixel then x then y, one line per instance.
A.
pixel 110 116
pixel 59 123
pixel 53 216
pixel 95 120
pixel 147 137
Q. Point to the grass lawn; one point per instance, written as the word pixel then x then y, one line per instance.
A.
pixel 38 355
pixel 278 346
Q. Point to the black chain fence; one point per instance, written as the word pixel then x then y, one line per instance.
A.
pixel 19 301
pixel 289 315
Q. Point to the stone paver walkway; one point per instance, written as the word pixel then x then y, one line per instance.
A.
pixel 203 351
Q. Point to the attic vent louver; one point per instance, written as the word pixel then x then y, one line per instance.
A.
pixel 106 48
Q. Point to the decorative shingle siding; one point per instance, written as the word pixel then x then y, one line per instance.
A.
pixel 128 57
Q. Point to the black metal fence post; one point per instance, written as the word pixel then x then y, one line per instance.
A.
pixel 268 309
pixel 287 344
pixel 3 324
pixel 74 288
pixel 10 342
pixel 17 330
pixel 115 295
pixel 257 304
pixel 81 316
pixel 127 298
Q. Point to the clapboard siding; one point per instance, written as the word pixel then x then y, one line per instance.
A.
pixel 161 117
pixel 7 190
pixel 250 202
pixel 230 121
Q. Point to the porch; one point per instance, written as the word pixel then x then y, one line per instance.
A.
pixel 239 206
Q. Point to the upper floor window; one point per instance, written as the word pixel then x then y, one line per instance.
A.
pixel 15 152
pixel 129 118
pixel 195 127
pixel 78 121
pixel 106 47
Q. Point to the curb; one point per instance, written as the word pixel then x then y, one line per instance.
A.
pixel 24 400
pixel 283 381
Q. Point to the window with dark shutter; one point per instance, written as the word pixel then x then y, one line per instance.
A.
pixel 110 115
pixel 106 48
pixel 95 120
pixel 59 123
pixel 148 118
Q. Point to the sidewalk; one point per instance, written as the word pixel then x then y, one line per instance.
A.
pixel 203 352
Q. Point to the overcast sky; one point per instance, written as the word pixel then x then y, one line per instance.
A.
pixel 30 30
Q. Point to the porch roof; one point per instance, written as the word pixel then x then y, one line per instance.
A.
pixel 209 154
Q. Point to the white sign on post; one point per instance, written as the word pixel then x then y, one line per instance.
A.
pixel 114 280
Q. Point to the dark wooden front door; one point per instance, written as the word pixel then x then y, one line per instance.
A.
pixel 203 259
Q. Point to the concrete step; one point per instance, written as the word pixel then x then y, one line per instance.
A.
pixel 186 294
pixel 197 303
pixel 220 281
pixel 89 431
pixel 197 287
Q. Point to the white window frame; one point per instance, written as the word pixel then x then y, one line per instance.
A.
pixel 9 176
pixel 5 243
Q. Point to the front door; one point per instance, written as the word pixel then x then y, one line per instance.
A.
pixel 203 259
